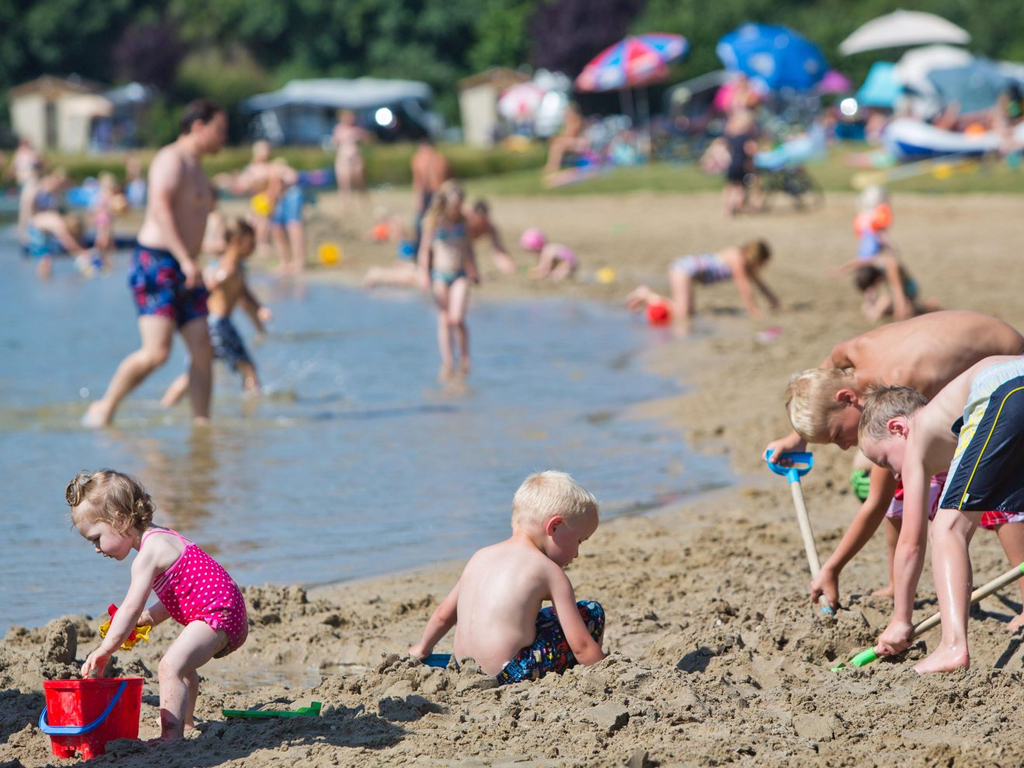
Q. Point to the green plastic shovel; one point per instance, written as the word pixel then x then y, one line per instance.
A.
pixel 313 710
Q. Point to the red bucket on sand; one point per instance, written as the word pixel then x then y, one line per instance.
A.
pixel 83 715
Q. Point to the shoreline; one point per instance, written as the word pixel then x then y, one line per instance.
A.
pixel 717 655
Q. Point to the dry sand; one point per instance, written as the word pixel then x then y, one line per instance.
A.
pixel 716 655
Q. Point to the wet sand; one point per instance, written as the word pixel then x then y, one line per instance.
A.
pixel 717 656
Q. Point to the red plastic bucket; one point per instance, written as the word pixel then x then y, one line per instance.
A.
pixel 83 715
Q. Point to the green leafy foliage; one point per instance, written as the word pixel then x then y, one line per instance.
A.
pixel 264 43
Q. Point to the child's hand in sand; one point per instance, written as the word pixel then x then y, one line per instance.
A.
pixel 826 583
pixel 95 664
pixel 417 651
pixel 894 639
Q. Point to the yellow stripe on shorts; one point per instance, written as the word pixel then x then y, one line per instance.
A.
pixel 992 429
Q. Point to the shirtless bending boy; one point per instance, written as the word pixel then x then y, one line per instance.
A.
pixel 975 427
pixel 824 405
pixel 497 601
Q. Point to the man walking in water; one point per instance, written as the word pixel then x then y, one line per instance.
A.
pixel 165 277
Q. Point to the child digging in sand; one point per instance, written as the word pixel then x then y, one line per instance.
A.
pixel 742 265
pixel 115 514
pixel 975 427
pixel 496 604
pixel 225 279
pixel 554 261
pixel 824 406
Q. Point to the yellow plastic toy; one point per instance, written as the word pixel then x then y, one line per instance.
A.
pixel 606 276
pixel 139 633
pixel 260 203
pixel 329 253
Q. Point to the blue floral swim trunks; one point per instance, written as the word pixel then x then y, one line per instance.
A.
pixel 158 285
pixel 550 652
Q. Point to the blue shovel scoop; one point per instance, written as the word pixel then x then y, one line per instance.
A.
pixel 800 463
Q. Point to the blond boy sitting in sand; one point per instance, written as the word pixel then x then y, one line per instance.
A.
pixel 975 427
pixel 496 604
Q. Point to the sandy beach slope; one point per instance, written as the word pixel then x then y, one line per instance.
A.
pixel 717 656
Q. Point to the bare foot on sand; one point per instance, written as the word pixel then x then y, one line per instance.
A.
pixel 1016 624
pixel 884 592
pixel 96 415
pixel 944 659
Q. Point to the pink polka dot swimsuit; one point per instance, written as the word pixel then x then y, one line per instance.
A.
pixel 197 588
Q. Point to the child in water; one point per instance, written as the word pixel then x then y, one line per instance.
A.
pixel 741 264
pixel 107 203
pixel 50 233
pixel 554 261
pixel 496 605
pixel 225 279
pixel 115 514
pixel 447 264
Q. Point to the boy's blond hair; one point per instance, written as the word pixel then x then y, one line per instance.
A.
pixel 883 404
pixel 811 399
pixel 546 494
pixel 113 497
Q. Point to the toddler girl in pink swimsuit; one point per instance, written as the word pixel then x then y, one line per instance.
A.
pixel 113 512
pixel 554 260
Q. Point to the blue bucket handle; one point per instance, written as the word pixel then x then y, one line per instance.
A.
pixel 792 473
pixel 78 730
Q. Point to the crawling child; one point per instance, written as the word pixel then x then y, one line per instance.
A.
pixel 554 261
pixel 113 512
pixel 496 604
pixel 741 264
pixel 975 427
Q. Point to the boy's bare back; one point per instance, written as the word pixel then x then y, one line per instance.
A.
pixel 500 592
pixel 926 352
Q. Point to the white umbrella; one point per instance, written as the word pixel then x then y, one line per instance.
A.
pixel 903 28
pixel 521 101
pixel 914 66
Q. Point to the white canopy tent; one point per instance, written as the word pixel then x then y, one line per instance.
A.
pixel 903 29
pixel 914 66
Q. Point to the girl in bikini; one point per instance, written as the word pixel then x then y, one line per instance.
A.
pixel 554 261
pixel 447 264
pixel 742 265
pixel 115 514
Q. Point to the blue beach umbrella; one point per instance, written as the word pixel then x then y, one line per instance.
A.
pixel 774 56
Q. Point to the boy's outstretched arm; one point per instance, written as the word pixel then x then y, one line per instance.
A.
pixel 583 646
pixel 441 621
pixel 862 528
pixel 908 560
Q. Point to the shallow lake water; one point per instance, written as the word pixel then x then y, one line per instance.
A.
pixel 355 462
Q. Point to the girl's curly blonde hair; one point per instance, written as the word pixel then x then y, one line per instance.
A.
pixel 113 497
